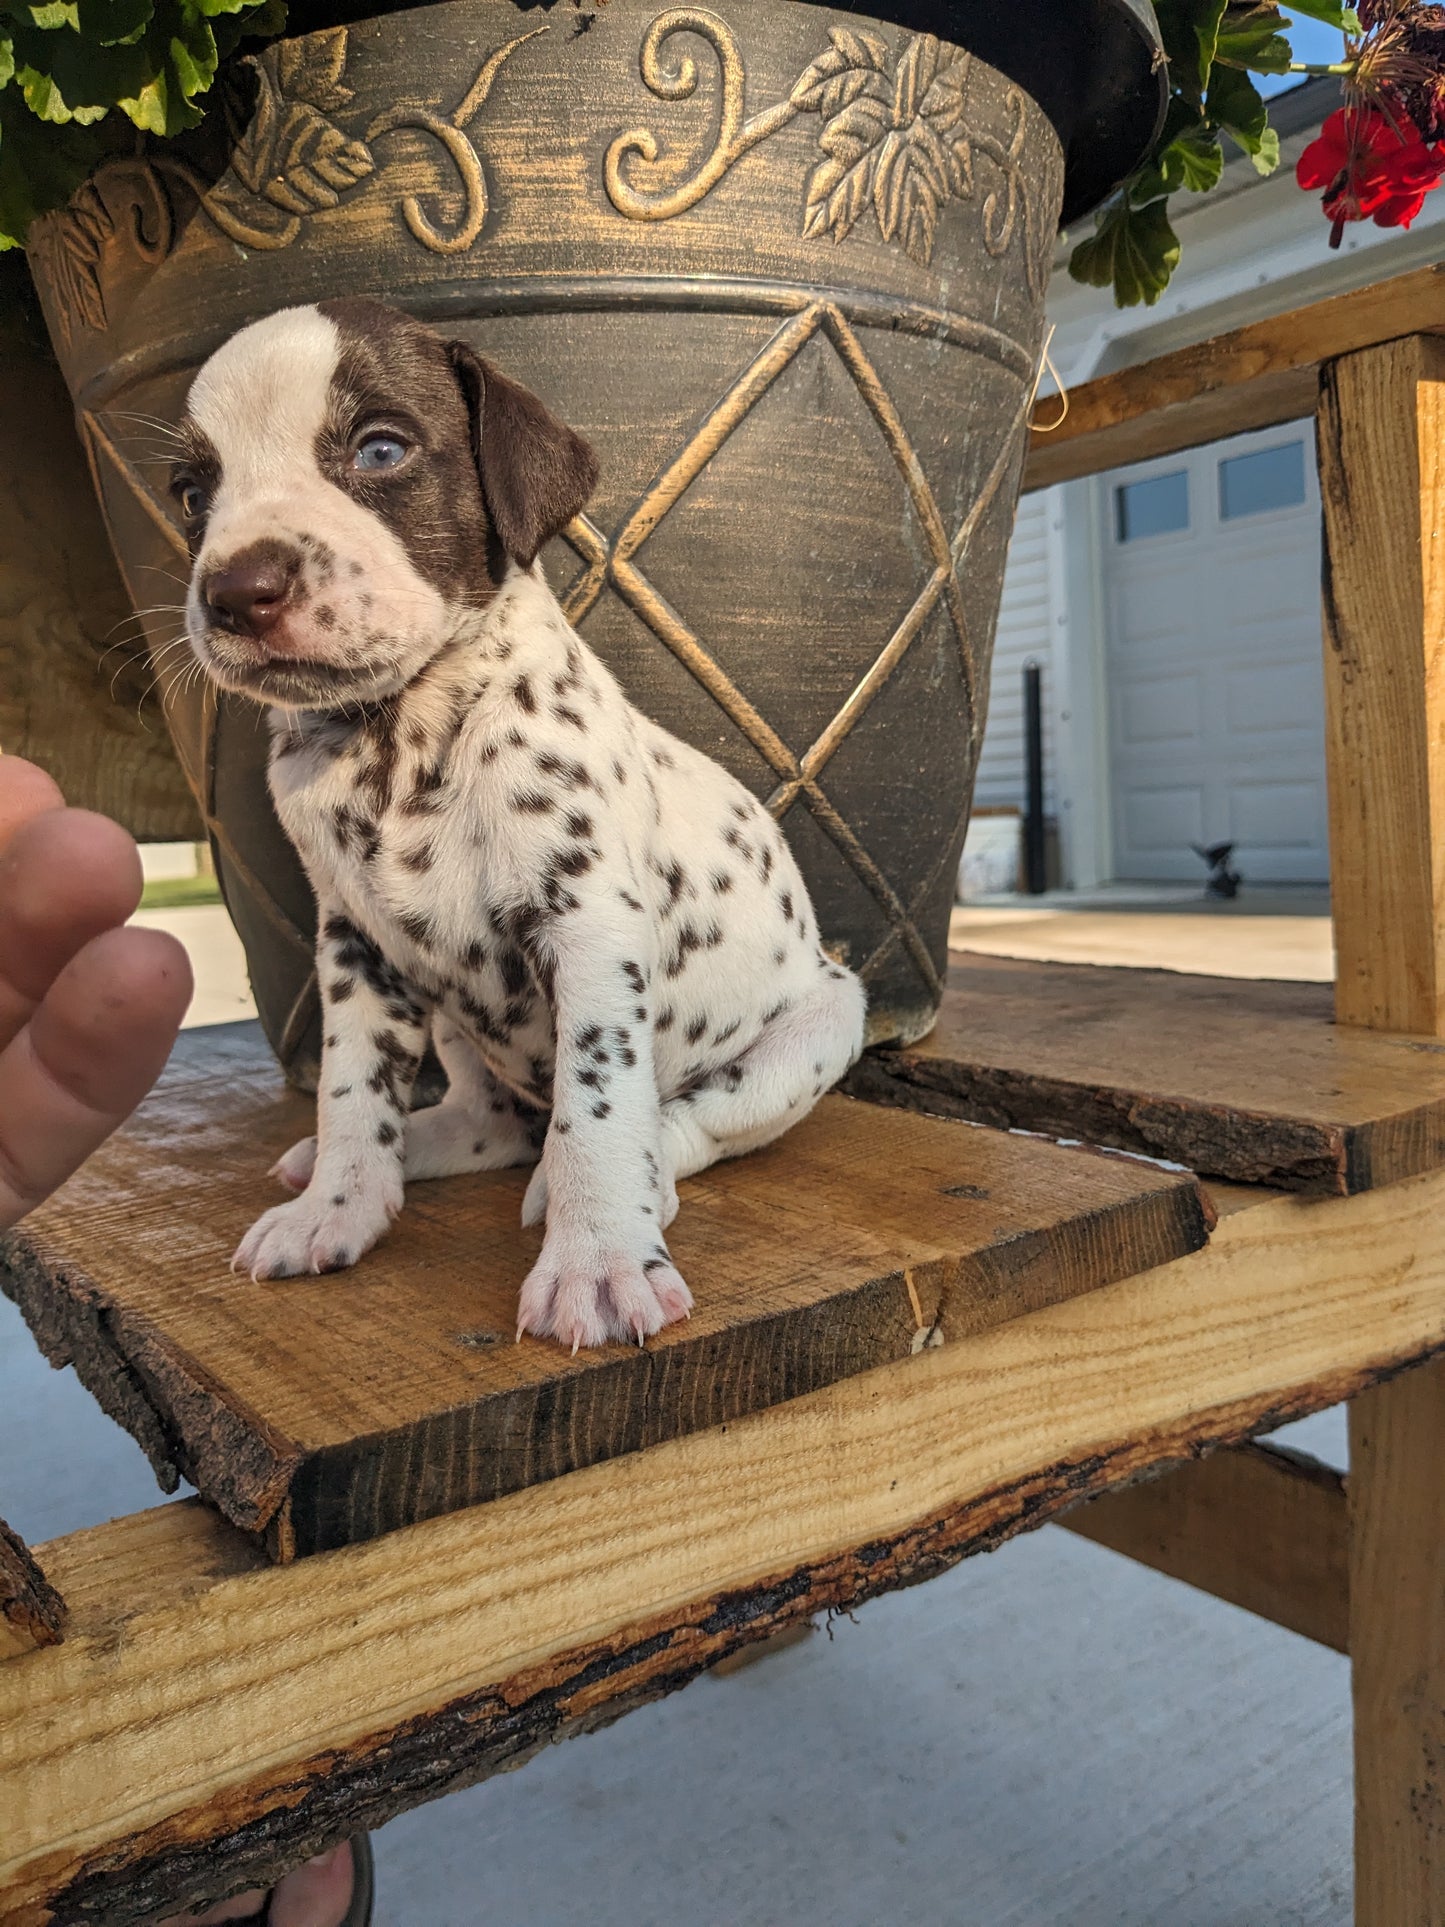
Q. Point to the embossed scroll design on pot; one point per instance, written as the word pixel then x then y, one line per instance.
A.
pixel 290 158
pixel 612 560
pixel 895 137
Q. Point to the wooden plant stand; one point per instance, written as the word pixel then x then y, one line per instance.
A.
pixel 429 1551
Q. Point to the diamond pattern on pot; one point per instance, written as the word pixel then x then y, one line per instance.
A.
pixel 611 561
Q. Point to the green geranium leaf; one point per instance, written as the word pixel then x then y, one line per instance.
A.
pixel 164 73
pixel 1194 162
pixel 76 61
pixel 66 76
pixel 263 22
pixel 150 106
pixel 1190 29
pixel 59 13
pixel 1235 104
pixel 114 23
pixel 1330 11
pixel 1254 37
pixel 42 96
pixel 1186 155
pixel 1134 250
pixel 40 166
pixel 192 53
pixel 260 23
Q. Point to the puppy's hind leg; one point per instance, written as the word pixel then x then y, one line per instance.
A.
pixel 478 1126
pixel 774 1083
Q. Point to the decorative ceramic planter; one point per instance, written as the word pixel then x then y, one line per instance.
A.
pixel 784 266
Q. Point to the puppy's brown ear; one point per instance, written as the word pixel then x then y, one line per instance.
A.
pixel 535 472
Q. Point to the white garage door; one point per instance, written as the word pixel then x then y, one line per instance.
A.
pixel 1212 653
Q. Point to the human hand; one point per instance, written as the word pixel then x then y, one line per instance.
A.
pixel 88 1014
pixel 88 1010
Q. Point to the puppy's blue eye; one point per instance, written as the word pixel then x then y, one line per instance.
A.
pixel 379 452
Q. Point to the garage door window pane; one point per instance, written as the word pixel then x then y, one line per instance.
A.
pixel 1273 478
pixel 1159 506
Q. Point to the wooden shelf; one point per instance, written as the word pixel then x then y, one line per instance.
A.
pixel 210 1720
pixel 1235 1078
pixel 320 1412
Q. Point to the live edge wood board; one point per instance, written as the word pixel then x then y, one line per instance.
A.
pixel 322 1411
pixel 1248 1080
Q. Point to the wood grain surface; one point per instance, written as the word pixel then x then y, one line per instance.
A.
pixel 210 1719
pixel 1251 377
pixel 321 1411
pixel 1397 1649
pixel 1244 1079
pixel 1382 486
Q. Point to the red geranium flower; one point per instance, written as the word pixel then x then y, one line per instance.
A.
pixel 1370 163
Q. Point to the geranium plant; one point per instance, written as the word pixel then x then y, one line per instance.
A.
pixel 1376 158
pixel 73 72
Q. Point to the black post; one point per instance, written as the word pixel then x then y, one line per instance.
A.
pixel 1035 874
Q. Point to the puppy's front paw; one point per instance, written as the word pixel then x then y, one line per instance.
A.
pixel 313 1233
pixel 583 1293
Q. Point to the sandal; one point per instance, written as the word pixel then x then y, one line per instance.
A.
pixel 363 1882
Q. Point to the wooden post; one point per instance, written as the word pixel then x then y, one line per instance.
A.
pixel 1382 482
pixel 1381 430
pixel 1397 1648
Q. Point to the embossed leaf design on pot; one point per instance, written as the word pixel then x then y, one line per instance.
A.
pixel 896 137
pixel 124 199
pixel 289 152
pixel 834 81
pixel 311 69
pixel 891 136
pixel 71 248
pixel 288 160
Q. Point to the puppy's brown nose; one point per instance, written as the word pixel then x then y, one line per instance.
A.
pixel 250 594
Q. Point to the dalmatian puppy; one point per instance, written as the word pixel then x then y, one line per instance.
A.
pixel 602 933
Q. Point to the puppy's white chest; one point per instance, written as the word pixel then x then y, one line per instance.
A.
pixel 413 876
